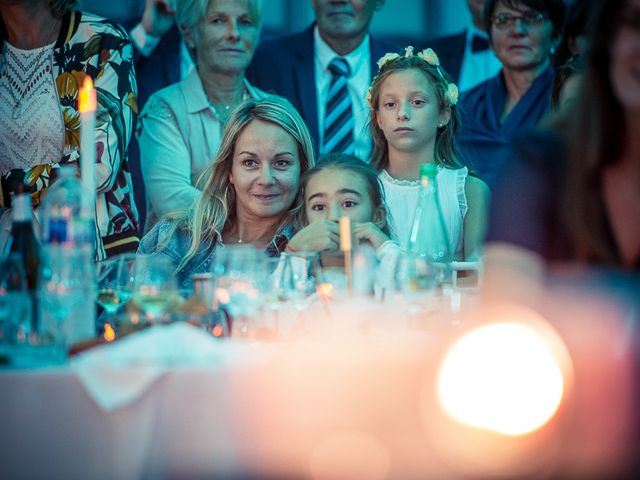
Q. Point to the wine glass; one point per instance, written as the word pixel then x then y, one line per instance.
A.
pixel 62 288
pixel 240 273
pixel 116 280
pixel 294 278
pixel 155 289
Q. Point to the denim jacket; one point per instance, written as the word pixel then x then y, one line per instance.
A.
pixel 155 242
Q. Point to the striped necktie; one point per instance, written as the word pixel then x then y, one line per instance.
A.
pixel 338 120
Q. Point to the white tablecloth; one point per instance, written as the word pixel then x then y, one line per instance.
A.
pixel 356 408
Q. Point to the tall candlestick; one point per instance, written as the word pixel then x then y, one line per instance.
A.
pixel 345 246
pixel 345 234
pixel 87 106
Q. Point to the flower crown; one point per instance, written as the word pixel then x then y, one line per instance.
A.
pixel 429 56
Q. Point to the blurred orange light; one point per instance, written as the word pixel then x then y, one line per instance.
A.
pixel 217 331
pixel 325 291
pixel 502 377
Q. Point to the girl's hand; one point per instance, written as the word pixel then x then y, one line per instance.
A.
pixel 318 236
pixel 370 232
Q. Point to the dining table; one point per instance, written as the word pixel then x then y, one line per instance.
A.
pixel 355 395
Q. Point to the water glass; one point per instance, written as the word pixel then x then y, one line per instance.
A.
pixel 155 290
pixel 66 278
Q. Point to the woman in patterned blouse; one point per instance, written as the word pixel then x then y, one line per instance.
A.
pixel 48 48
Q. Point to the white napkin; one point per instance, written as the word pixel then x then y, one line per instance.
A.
pixel 117 374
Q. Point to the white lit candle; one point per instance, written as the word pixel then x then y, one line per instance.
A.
pixel 87 106
pixel 345 246
pixel 345 234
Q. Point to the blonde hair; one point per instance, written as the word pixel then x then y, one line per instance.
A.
pixel 215 207
pixel 445 151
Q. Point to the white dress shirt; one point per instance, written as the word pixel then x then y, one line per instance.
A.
pixel 477 66
pixel 359 61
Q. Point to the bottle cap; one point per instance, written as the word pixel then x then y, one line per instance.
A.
pixel 21 207
pixel 428 170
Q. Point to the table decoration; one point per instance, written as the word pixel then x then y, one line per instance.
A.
pixel 87 104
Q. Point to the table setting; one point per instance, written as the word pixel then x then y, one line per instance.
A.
pixel 299 368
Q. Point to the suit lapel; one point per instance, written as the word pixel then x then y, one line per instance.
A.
pixel 304 77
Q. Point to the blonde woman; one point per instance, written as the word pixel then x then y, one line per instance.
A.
pixel 250 192
pixel 180 128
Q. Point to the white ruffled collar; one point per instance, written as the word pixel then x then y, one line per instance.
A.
pixel 386 177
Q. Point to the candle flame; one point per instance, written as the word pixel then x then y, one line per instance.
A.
pixel 87 96
pixel 109 333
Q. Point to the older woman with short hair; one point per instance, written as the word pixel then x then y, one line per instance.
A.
pixel 180 128
pixel 48 50
pixel 524 34
pixel 250 193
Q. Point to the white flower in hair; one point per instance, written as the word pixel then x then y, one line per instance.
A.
pixel 429 56
pixel 452 94
pixel 387 57
pixel 408 51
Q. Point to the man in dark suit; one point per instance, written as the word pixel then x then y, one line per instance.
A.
pixel 467 56
pixel 302 67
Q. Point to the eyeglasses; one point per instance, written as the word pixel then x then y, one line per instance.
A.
pixel 504 21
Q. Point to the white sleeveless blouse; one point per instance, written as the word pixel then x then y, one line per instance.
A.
pixel 402 199
pixel 31 124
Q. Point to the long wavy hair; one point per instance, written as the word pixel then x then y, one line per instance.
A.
pixel 596 133
pixel 446 151
pixel 215 209
pixel 347 163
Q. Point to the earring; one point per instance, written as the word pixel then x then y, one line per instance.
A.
pixel 440 124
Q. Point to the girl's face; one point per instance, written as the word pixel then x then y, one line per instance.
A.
pixel 625 58
pixel 408 111
pixel 265 172
pixel 334 193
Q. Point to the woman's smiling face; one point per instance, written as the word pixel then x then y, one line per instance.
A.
pixel 265 172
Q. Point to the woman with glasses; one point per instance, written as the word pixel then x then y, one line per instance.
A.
pixel 524 34
pixel 571 193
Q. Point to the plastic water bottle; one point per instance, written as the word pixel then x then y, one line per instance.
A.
pixel 428 241
pixel 68 295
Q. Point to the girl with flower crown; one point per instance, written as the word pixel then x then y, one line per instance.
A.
pixel 413 120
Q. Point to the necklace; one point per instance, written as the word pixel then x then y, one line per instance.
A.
pixel 222 111
pixel 18 94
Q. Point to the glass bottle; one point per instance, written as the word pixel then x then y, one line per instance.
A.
pixel 428 241
pixel 25 244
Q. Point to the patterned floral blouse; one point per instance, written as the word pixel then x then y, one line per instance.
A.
pixel 93 46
